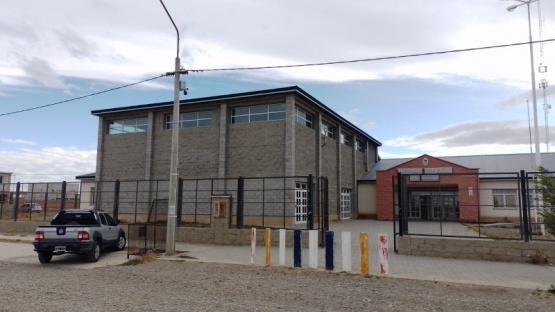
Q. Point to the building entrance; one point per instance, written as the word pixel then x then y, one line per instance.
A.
pixel 433 205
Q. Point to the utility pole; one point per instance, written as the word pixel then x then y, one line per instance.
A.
pixel 172 200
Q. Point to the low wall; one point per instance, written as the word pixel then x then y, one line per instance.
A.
pixel 477 249
pixel 20 227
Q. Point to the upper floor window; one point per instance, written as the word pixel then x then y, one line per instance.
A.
pixel 504 199
pixel 258 113
pixel 328 130
pixel 361 147
pixel 346 139
pixel 303 117
pixel 131 125
pixel 191 120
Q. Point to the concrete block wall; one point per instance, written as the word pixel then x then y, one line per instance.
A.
pixel 476 249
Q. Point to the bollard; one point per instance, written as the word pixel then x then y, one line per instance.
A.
pixel 313 249
pixel 364 262
pixel 282 247
pixel 330 250
pixel 346 261
pixel 297 241
pixel 384 254
pixel 253 244
pixel 268 245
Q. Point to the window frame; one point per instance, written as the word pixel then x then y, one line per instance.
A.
pixel 327 130
pixel 360 146
pixel 346 139
pixel 258 113
pixel 304 118
pixel 123 126
pixel 501 199
pixel 182 121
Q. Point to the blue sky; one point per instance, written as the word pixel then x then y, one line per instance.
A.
pixel 450 104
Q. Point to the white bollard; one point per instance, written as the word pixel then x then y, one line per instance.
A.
pixel 313 249
pixel 253 244
pixel 346 251
pixel 282 247
pixel 384 254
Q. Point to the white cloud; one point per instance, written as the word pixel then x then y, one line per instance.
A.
pixel 50 164
pixel 18 142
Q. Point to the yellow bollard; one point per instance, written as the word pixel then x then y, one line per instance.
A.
pixel 268 244
pixel 364 261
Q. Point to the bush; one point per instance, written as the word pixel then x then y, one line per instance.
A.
pixel 546 189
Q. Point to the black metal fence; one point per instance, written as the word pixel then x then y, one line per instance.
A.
pixel 483 205
pixel 274 202
pixel 37 201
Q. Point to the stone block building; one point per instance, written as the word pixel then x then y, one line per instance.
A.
pixel 282 132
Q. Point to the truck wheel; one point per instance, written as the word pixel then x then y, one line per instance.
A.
pixel 94 255
pixel 45 256
pixel 120 245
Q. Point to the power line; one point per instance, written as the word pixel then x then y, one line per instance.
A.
pixel 81 97
pixel 186 71
pixel 367 59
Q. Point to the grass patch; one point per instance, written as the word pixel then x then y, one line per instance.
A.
pixel 146 258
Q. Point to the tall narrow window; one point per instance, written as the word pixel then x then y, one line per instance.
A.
pixel 301 203
pixel 345 203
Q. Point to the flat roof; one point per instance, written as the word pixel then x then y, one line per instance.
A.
pixel 295 89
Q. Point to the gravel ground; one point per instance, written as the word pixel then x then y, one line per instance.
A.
pixel 193 286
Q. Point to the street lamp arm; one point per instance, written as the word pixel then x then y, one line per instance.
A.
pixel 174 26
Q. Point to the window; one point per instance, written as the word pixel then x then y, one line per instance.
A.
pixel 346 139
pixel 92 195
pixel 132 125
pixel 301 203
pixel 103 219
pixel 361 147
pixel 345 203
pixel 328 130
pixel 303 118
pixel 505 199
pixel 258 113
pixel 191 120
pixel 110 220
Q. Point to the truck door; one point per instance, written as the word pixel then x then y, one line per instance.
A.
pixel 109 228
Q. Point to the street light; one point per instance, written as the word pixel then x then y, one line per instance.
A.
pixel 172 216
pixel 535 105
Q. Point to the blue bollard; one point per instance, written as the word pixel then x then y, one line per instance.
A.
pixel 330 250
pixel 297 244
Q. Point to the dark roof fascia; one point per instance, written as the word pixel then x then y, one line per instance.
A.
pixel 238 96
pixel 86 176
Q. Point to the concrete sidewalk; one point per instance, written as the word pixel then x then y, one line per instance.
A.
pixel 518 275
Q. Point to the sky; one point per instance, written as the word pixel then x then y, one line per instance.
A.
pixel 471 102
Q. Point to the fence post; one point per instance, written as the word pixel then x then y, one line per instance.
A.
pixel 310 202
pixel 330 250
pixel 179 201
pixel 524 206
pixel 399 203
pixel 115 213
pixel 297 245
pixel 16 201
pixel 240 201
pixel 63 199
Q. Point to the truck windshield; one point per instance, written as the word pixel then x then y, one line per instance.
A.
pixel 85 218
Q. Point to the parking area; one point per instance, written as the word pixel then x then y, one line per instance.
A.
pixel 20 250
